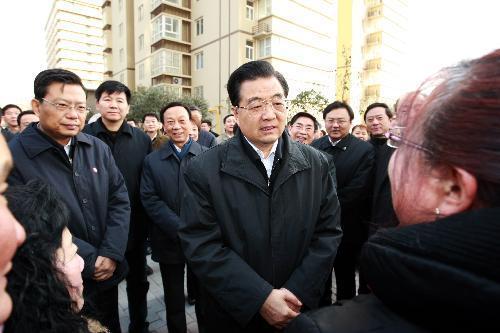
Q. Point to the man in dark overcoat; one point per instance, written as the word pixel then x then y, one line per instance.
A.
pixel 260 218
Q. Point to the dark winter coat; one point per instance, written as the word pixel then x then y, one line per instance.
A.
pixel 91 186
pixel 206 139
pixel 354 161
pixel 129 147
pixel 382 212
pixel 244 236
pixel 442 276
pixel 162 187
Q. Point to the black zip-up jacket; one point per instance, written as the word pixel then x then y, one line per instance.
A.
pixel 244 234
pixel 91 186
pixel 129 147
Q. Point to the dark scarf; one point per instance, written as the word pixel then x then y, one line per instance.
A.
pixel 185 149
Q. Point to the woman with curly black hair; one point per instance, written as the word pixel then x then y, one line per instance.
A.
pixel 45 282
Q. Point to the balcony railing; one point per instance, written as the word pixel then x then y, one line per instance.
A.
pixel 261 29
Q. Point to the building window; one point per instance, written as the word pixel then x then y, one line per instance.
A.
pixel 141 42
pixel 122 53
pixel 199 60
pixel 120 29
pixel 120 5
pixel 140 12
pixel 198 91
pixel 199 26
pixel 141 72
pixel 249 50
pixel 264 8
pixel 265 47
pixel 166 62
pixel 173 90
pixel 249 10
pixel 122 78
pixel 165 27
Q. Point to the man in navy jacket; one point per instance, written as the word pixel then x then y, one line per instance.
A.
pixel 83 171
pixel 129 146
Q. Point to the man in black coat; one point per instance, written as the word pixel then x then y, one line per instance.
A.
pixel 162 189
pixel 260 218
pixel 83 171
pixel 129 146
pixel 378 121
pixel 354 160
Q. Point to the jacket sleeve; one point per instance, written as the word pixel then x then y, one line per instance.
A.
pixel 360 185
pixel 308 280
pixel 157 210
pixel 225 275
pixel 115 238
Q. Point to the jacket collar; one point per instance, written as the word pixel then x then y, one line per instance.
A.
pixel 166 150
pixel 325 144
pixel 237 162
pixel 101 128
pixel 34 141
pixel 462 249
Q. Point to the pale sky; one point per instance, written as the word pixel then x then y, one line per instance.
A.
pixel 441 32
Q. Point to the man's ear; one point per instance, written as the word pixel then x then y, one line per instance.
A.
pixel 460 191
pixel 234 110
pixel 35 106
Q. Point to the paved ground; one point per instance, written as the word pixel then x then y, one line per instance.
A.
pixel 156 305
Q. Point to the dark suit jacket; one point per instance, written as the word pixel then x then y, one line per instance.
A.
pixel 162 188
pixel 382 211
pixel 354 161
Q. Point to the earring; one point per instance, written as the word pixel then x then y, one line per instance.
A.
pixel 437 212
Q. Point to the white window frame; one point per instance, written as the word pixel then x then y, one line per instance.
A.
pixel 249 10
pixel 265 47
pixel 199 26
pixel 249 50
pixel 140 11
pixel 166 61
pixel 141 71
pixel 165 26
pixel 141 42
pixel 121 54
pixel 198 91
pixel 199 60
pixel 120 29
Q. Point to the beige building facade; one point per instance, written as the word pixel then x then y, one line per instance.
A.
pixel 75 39
pixel 192 46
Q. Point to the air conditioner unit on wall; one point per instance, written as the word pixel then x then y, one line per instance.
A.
pixel 177 80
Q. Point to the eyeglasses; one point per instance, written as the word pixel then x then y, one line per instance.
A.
pixel 300 127
pixel 63 107
pixel 395 139
pixel 340 122
pixel 258 106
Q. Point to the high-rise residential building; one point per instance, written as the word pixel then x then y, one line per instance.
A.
pixel 371 51
pixel 192 46
pixel 74 39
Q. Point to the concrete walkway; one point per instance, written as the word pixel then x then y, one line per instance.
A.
pixel 156 305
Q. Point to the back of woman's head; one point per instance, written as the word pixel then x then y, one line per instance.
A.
pixel 455 115
pixel 41 300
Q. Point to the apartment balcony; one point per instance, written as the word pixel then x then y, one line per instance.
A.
pixel 178 7
pixel 108 40
pixel 106 18
pixel 261 30
pixel 372 91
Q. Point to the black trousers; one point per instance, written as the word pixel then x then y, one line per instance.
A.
pixel 137 290
pixel 103 306
pixel 172 276
pixel 345 269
